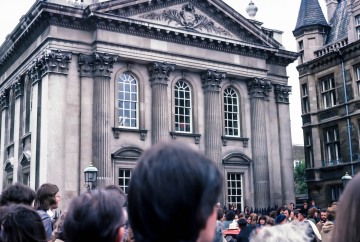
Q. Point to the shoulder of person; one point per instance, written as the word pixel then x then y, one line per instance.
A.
pixel 43 214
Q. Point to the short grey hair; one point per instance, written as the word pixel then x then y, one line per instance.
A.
pixel 290 232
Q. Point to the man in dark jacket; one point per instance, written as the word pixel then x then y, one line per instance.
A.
pixel 245 231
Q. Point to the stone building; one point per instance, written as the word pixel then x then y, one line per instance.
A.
pixel 329 70
pixel 100 82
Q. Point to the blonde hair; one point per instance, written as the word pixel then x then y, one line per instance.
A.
pixel 290 232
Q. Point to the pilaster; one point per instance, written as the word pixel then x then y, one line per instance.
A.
pixel 159 73
pixel 285 146
pixel 259 90
pixel 211 80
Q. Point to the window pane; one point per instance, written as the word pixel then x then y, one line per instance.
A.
pixel 231 115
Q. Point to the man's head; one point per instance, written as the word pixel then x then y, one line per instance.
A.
pixel 95 216
pixel 242 223
pixel 177 189
pixel 323 215
pixel 286 212
pixel 47 197
pixel 330 214
pixel 17 194
pixel 280 219
pixel 305 205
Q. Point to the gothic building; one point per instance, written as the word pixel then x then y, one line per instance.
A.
pixel 86 81
pixel 329 70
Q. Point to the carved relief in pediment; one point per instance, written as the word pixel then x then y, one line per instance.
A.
pixel 187 18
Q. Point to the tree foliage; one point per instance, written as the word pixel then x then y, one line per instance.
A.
pixel 300 178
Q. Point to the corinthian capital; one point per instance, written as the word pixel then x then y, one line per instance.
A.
pixel 159 72
pixel 282 93
pixel 211 80
pixel 18 87
pixel 259 88
pixel 97 64
pixel 54 61
pixel 4 100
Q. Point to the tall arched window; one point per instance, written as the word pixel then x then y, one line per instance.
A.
pixel 231 113
pixel 12 117
pixel 128 101
pixel 28 105
pixel 183 112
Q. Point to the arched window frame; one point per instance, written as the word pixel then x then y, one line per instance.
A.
pixel 128 87
pixel 183 107
pixel 231 93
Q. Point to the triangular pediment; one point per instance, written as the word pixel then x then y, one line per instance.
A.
pixel 211 18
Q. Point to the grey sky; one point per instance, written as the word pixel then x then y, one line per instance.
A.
pixel 275 14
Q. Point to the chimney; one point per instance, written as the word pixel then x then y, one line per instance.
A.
pixel 330 8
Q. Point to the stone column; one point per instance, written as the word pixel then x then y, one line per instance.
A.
pixel 258 91
pixel 286 159
pixel 17 88
pixel 4 104
pixel 211 80
pixel 102 65
pixel 159 74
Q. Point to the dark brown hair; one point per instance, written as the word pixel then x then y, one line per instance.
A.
pixel 45 196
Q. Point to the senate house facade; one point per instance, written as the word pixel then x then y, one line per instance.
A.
pixel 99 82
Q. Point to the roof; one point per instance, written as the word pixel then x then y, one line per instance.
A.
pixel 310 14
pixel 339 23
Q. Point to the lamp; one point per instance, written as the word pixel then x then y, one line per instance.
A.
pixel 90 173
pixel 345 179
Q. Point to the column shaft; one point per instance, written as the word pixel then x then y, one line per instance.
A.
pixel 159 124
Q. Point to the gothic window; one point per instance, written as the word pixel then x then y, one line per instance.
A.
pixel 332 146
pixel 231 113
pixel 328 92
pixel 235 189
pixel 128 105
pixel 183 107
pixel 305 98
pixel 308 151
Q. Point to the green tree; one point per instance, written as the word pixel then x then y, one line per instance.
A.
pixel 300 178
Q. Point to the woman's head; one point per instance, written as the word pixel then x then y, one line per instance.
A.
pixel 47 197
pixel 21 223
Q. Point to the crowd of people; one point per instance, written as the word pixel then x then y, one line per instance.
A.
pixel 173 197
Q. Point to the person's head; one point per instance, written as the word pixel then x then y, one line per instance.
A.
pixel 312 202
pixel 248 219
pixel 347 226
pixel 270 221
pixel 294 215
pixel 242 223
pixel 272 214
pixel 291 206
pixel 118 190
pixel 230 216
pixel 301 216
pixel 220 214
pixel 280 219
pixel 18 194
pixel 290 232
pixel 330 214
pixel 286 212
pixel 177 189
pixel 323 215
pixel 241 215
pixel 305 205
pixel 262 220
pixel 312 213
pixel 47 197
pixel 21 223
pixel 95 216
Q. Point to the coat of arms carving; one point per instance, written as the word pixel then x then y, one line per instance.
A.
pixel 187 19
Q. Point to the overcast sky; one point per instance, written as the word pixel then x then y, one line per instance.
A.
pixel 275 14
